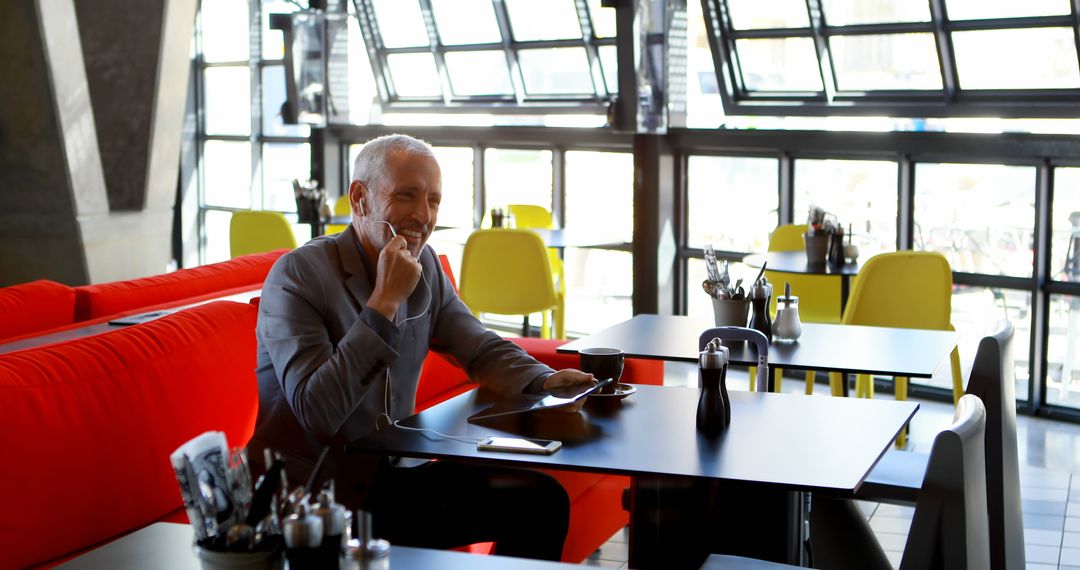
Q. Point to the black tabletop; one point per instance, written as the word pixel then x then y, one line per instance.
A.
pixel 552 238
pixel 840 348
pixel 167 546
pixel 795 262
pixel 791 441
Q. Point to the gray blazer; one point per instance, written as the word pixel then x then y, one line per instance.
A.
pixel 323 359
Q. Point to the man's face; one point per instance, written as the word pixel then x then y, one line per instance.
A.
pixel 409 200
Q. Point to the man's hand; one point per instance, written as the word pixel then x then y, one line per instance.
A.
pixel 397 275
pixel 569 377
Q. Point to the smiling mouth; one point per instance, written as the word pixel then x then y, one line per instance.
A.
pixel 413 234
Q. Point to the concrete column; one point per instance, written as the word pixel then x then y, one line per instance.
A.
pixel 65 213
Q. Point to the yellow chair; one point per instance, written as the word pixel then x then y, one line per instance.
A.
pixel 341 208
pixel 819 295
pixel 908 289
pixel 255 231
pixel 506 272
pixel 529 216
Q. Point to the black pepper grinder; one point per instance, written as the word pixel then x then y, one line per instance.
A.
pixel 714 406
pixel 760 295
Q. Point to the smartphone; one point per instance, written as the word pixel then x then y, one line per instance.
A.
pixel 519 445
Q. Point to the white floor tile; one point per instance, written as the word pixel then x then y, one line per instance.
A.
pixel 1070 540
pixel 1043 522
pixel 895 511
pixel 894 557
pixel 1042 554
pixel 1030 566
pixel 1072 524
pixel 1041 537
pixel 1070 556
pixel 1040 494
pixel 1044 478
pixel 890 541
pixel 890 525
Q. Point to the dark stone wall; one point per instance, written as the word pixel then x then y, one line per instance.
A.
pixel 39 237
pixel 121 46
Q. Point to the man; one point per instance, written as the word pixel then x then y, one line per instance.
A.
pixel 345 323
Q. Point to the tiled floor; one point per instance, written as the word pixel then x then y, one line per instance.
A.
pixel 1049 478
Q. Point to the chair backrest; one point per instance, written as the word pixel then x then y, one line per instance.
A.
pixel 254 231
pixel 949 528
pixel 911 289
pixel 506 271
pixel 992 380
pixel 787 238
pixel 819 295
pixel 341 206
pixel 530 216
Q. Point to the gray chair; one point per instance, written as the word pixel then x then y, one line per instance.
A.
pixel 898 477
pixel 949 530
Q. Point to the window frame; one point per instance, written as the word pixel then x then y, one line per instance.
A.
pixel 949 101
pixel 519 102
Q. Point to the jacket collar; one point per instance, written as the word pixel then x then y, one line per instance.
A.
pixel 358 282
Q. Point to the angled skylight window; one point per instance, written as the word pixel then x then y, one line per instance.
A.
pixel 548 20
pixel 463 22
pixel 758 15
pixel 984 9
pixel 786 64
pixel 479 73
pixel 558 71
pixel 1017 59
pixel 849 12
pixel 899 58
pixel 401 23
pixel 505 56
pixel 414 74
pixel 892 61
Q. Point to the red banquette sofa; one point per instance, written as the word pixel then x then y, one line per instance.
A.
pixel 38 307
pixel 87 426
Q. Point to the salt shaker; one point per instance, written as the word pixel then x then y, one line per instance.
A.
pixel 714 406
pixel 787 327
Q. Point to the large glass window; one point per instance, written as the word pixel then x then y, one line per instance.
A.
pixel 249 156
pixel 1065 244
pixel 860 193
pixel 845 56
pixel 1063 357
pixel 513 176
pixel 733 202
pixel 456 164
pixel 520 54
pixel 980 216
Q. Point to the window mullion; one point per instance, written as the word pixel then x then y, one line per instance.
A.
pixel 503 19
pixel 950 81
pixel 821 47
pixel 591 53
pixel 435 47
pixel 1074 10
pixel 254 71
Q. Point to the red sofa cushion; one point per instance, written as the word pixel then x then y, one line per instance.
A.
pixel 194 284
pixel 87 426
pixel 35 306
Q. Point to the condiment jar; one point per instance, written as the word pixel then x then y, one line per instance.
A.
pixel 714 405
pixel 787 327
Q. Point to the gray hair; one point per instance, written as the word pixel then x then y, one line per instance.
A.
pixel 370 164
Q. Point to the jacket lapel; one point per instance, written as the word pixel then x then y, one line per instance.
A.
pixel 357 280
